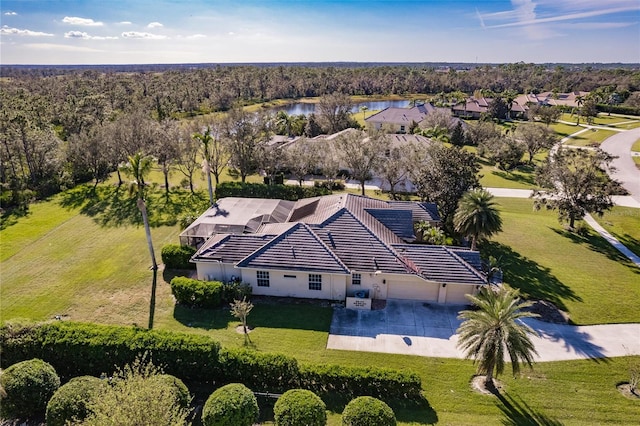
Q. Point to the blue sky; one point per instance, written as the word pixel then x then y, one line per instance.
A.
pixel 173 31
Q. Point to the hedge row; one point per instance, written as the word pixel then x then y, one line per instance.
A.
pixel 175 256
pixel 618 109
pixel 207 294
pixel 258 190
pixel 89 349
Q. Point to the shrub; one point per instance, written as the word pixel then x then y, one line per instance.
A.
pixel 368 411
pixel 258 190
pixel 175 256
pixel 196 293
pixel 177 387
pixel 69 403
pixel 235 291
pixel 260 371
pixel 76 349
pixel 352 381
pixel 28 386
pixel 300 407
pixel 230 405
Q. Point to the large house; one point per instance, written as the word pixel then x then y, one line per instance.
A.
pixel 475 107
pixel 399 120
pixel 552 99
pixel 339 247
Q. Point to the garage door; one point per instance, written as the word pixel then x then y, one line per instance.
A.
pixel 417 290
pixel 456 293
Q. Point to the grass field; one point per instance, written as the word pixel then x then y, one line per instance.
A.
pixel 636 146
pixel 624 224
pixel 593 137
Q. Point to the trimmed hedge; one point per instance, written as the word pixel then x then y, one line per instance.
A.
pixel 258 370
pixel 196 293
pixel 618 109
pixel 28 386
pixel 258 190
pixel 69 403
pixel 175 256
pixel 368 411
pixel 354 381
pixel 300 407
pixel 230 405
pixel 79 349
pixel 91 349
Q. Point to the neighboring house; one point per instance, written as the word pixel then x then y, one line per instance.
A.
pixel 339 247
pixel 399 120
pixel 552 99
pixel 475 107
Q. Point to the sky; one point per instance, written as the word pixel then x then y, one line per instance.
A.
pixel 217 31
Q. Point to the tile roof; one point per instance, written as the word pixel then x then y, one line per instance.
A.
pixel 358 247
pixel 401 115
pixel 439 264
pixel 400 222
pixel 427 212
pixel 297 249
pixel 231 248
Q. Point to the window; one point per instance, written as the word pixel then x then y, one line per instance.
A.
pixel 402 129
pixel 315 282
pixel 289 276
pixel 356 279
pixel 263 278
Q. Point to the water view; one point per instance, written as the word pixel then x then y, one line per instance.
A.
pixel 299 108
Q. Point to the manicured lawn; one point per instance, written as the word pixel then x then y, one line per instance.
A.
pixel 593 137
pixel 564 130
pixel 583 275
pixel 624 224
pixel 636 146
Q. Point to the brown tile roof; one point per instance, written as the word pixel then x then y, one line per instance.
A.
pixel 440 264
pixel 402 116
pixel 297 249
pixel 231 248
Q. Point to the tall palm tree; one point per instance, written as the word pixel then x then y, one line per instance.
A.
pixel 477 216
pixel 206 138
pixel 493 330
pixel 579 102
pixel 137 167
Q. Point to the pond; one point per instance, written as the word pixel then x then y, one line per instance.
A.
pixel 299 108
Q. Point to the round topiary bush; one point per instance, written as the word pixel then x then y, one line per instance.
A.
pixel 69 403
pixel 368 411
pixel 233 404
pixel 28 386
pixel 300 407
pixel 178 389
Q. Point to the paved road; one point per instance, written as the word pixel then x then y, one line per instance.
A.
pixel 415 328
pixel 626 171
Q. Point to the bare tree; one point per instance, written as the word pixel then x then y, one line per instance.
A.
pixel 334 112
pixel 241 309
pixel 246 135
pixel 362 153
pixel 303 157
pixel 536 137
pixel 394 167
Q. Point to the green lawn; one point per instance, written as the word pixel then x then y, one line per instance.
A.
pixel 583 275
pixel 636 146
pixel 593 137
pixel 624 224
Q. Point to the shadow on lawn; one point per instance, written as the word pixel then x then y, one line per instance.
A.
pixel 112 206
pixel 10 216
pixel 594 242
pixel 533 280
pixel 519 413
pixel 295 317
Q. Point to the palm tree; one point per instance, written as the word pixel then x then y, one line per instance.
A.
pixel 205 138
pixel 477 216
pixel 364 110
pixel 137 167
pixel 579 102
pixel 493 330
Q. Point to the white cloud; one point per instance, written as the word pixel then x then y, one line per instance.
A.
pixel 141 35
pixel 85 36
pixel 10 13
pixel 85 22
pixel 195 36
pixel 231 33
pixel 155 25
pixel 15 31
pixel 60 47
pixel 125 22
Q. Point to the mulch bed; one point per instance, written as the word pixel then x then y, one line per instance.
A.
pixel 549 312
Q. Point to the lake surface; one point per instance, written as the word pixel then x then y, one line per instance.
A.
pixel 299 108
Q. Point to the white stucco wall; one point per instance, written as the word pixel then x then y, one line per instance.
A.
pixel 296 284
pixel 412 287
pixel 214 271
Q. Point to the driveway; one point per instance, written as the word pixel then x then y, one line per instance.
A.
pixel 626 171
pixel 414 328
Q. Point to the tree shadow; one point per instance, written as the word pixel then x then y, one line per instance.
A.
pixel 10 216
pixel 113 206
pixel 532 279
pixel 594 242
pixel 519 413
pixel 152 301
pixel 206 319
pixel 526 179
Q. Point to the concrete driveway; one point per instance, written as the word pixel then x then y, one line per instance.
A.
pixel 414 328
